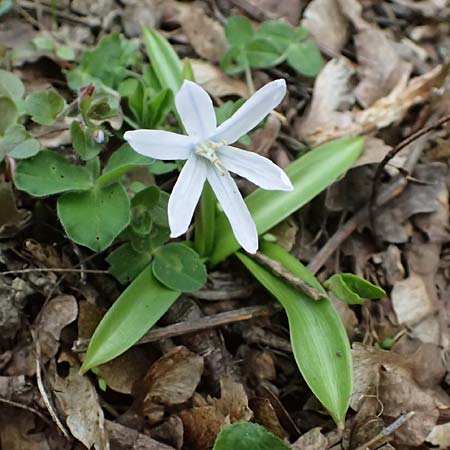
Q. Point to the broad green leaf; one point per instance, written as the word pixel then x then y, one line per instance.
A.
pixel 162 167
pixel 8 114
pixel 179 267
pixel 234 61
pixel 238 31
pixel 261 53
pixel 279 34
pixel 64 52
pixel 159 211
pixel 126 264
pixel 305 58
pixel 318 338
pixel 18 144
pixel 310 175
pixel 120 162
pixel 247 436
pixel 352 289
pixel 44 107
pixel 83 142
pixel 148 197
pixel 44 43
pixel 137 309
pixel 95 218
pixel 164 59
pixel 50 173
pixel 11 86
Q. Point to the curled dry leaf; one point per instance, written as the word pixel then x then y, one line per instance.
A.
pixel 324 120
pixel 215 81
pixel 78 403
pixel 327 25
pixel 203 423
pixel 53 318
pixel 172 379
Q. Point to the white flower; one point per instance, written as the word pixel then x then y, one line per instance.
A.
pixel 210 157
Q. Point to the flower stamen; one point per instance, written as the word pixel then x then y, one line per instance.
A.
pixel 208 150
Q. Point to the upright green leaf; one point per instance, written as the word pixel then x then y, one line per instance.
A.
pixel 164 59
pixel 318 338
pixel 50 173
pixel 137 309
pixel 95 218
pixel 247 436
pixel 310 175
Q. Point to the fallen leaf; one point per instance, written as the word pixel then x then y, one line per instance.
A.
pixel 272 9
pixel 170 431
pixel 311 440
pixel 12 220
pixel 78 402
pixel 265 415
pixel 439 436
pixel 215 81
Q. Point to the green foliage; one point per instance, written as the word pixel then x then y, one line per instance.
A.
pixel 11 86
pixel 179 268
pixel 310 175
pixel 48 44
pixel 95 218
pixel 9 114
pixel 50 173
pixel 271 44
pixel 352 289
pixel 319 341
pixel 17 143
pixel 137 309
pixel 44 107
pixel 247 436
pixel 83 141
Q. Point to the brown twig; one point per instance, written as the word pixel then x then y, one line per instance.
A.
pixel 376 180
pixel 279 270
pixel 192 326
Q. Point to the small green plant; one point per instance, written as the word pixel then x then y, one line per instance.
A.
pixel 271 44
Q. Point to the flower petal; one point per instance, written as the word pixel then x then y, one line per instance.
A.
pixel 185 195
pixel 236 210
pixel 160 144
pixel 251 112
pixel 196 110
pixel 259 170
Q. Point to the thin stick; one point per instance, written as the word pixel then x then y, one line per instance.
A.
pixel 27 408
pixel 201 324
pixel 394 426
pixel 376 180
pixel 279 270
pixel 54 269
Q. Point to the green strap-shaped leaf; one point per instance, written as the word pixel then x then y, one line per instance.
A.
pixel 137 309
pixel 310 175
pixel 164 59
pixel 319 342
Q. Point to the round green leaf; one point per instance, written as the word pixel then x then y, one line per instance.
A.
pixel 234 61
pixel 247 436
pixel 96 217
pixel 305 58
pixel 50 173
pixel 261 53
pixel 179 267
pixel 279 33
pixel 8 114
pixel 11 86
pixel 238 30
pixel 352 289
pixel 44 107
pixel 17 143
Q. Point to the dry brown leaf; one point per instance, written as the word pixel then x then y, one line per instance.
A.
pixel 172 379
pixel 272 9
pixel 205 34
pixel 265 415
pixel 215 81
pixel 170 431
pixel 78 402
pixel 54 317
pixel 374 151
pixel 140 13
pixel 311 440
pixel 440 436
pixel 327 25
pixel 324 122
pixel 12 220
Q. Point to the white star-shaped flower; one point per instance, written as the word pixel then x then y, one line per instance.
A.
pixel 210 157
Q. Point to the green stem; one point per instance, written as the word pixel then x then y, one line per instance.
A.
pixel 249 80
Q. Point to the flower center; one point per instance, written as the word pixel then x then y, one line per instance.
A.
pixel 208 150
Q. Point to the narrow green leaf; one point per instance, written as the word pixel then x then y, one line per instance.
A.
pixel 305 58
pixel 120 162
pixel 95 218
pixel 8 115
pixel 164 59
pixel 352 289
pixel 179 267
pixel 44 107
pixel 247 436
pixel 310 175
pixel 319 341
pixel 137 309
pixel 238 31
pixel 50 173
pixel 205 218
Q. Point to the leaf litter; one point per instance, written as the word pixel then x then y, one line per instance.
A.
pixel 385 76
